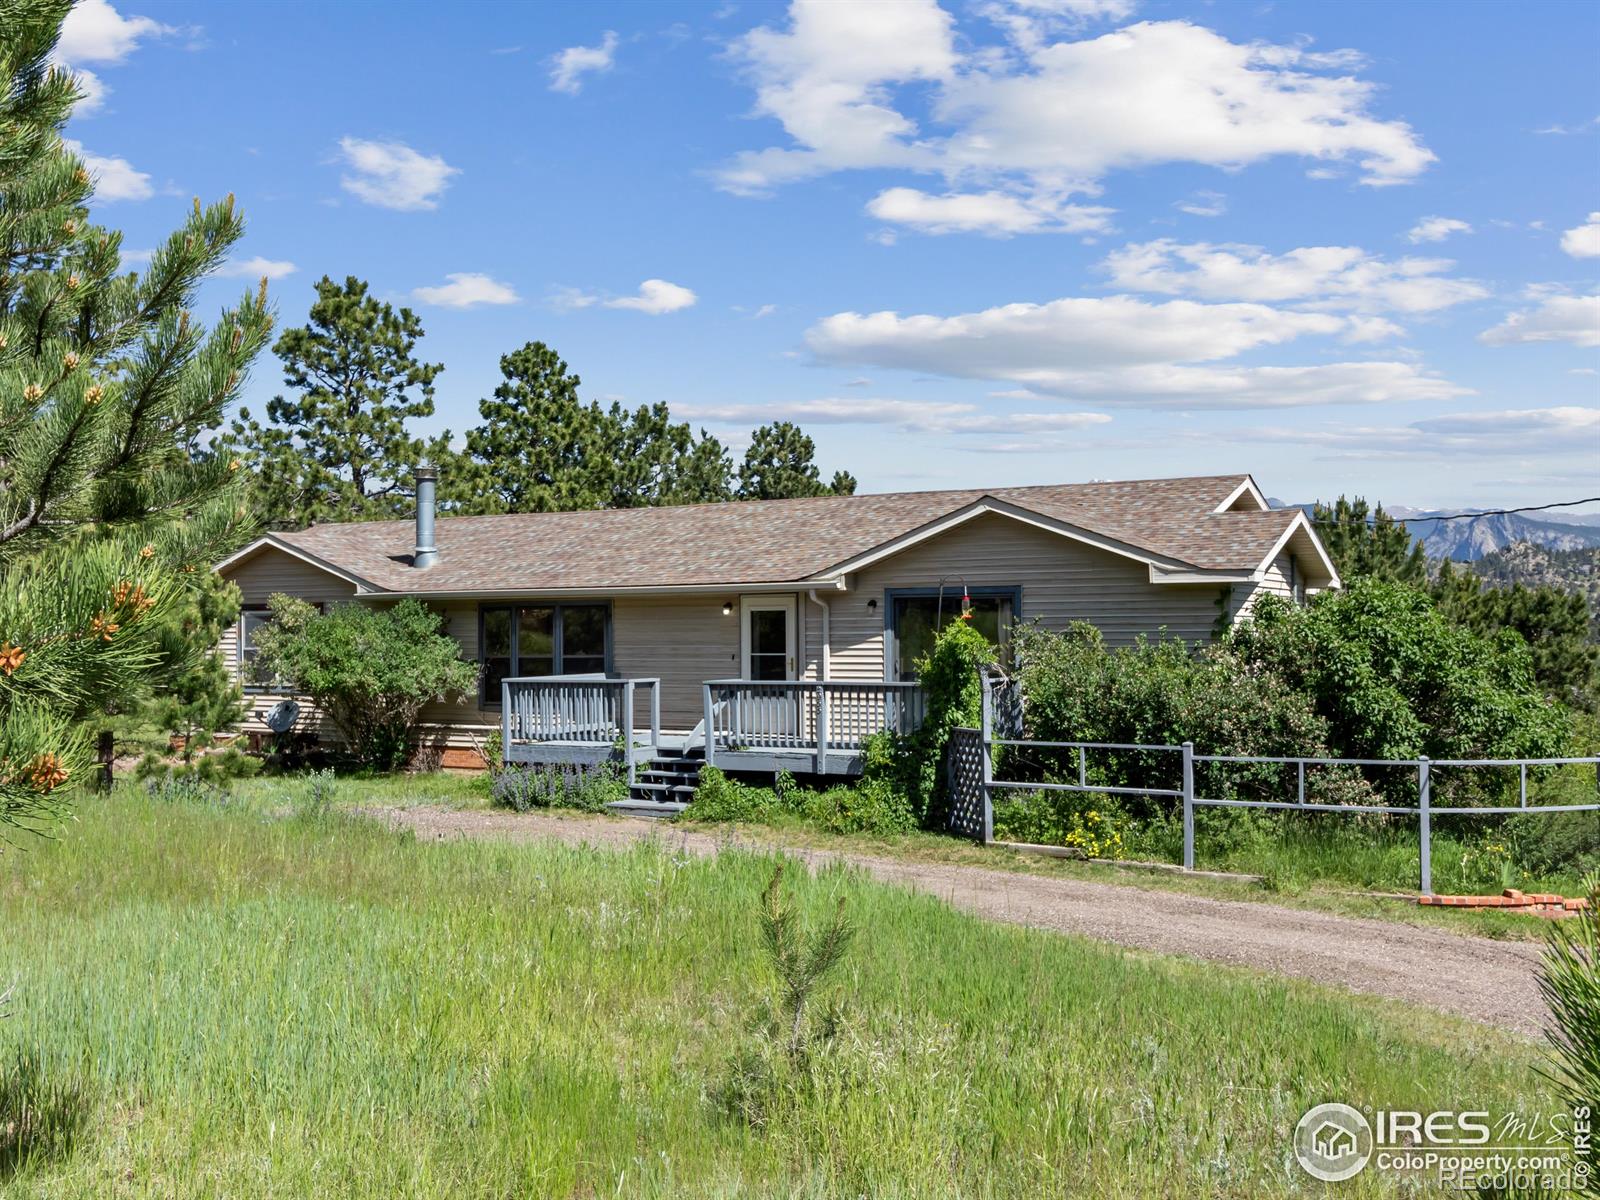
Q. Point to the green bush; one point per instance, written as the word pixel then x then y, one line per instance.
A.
pixel 213 769
pixel 1092 823
pixel 874 806
pixel 1569 979
pixel 372 670
pixel 1393 678
pixel 1163 693
pixel 953 697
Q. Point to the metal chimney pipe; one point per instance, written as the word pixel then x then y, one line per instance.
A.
pixel 427 481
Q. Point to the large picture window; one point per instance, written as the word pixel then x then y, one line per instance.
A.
pixel 541 639
pixel 916 617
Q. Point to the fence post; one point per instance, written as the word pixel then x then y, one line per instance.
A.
pixel 711 740
pixel 505 727
pixel 822 730
pixel 1188 806
pixel 985 736
pixel 1424 799
pixel 627 730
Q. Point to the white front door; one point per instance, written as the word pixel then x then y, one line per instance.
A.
pixel 767 638
pixel 766 713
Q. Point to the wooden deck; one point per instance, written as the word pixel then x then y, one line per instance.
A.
pixel 800 726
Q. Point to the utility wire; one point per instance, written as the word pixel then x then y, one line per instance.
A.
pixel 1469 516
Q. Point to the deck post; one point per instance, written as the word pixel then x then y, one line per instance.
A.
pixel 655 715
pixel 985 736
pixel 711 740
pixel 505 726
pixel 627 730
pixel 1188 806
pixel 821 730
pixel 1425 821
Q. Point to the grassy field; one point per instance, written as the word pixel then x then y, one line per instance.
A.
pixel 1332 871
pixel 240 1003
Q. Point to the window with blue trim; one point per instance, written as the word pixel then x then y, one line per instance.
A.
pixel 916 617
pixel 541 639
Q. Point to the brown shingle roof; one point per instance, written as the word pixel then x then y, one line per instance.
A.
pixel 777 541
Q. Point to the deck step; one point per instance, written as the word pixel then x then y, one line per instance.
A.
pixel 665 783
pixel 647 808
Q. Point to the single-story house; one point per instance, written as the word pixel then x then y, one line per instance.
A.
pixel 779 633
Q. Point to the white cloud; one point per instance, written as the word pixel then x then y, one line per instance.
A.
pixel 1119 349
pixel 1204 204
pixel 915 416
pixel 1583 241
pixel 1052 119
pixel 393 175
pixel 569 67
pixel 467 290
pixel 92 92
pixel 114 178
pixel 1436 229
pixel 1320 276
pixel 656 296
pixel 766 310
pixel 94 31
pixel 257 267
pixel 1543 431
pixel 1580 127
pixel 1028 24
pixel 997 214
pixel 1556 318
pixel 129 259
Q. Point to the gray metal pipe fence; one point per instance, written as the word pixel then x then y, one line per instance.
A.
pixel 986 785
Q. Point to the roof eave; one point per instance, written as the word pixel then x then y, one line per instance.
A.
pixel 1247 486
pixel 1302 522
pixel 271 541
pixel 1016 512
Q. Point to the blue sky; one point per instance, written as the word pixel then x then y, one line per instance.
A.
pixel 1346 247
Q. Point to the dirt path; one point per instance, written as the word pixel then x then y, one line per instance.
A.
pixel 1484 980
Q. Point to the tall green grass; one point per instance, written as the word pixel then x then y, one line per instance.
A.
pixel 254 1004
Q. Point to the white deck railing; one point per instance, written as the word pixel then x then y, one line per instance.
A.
pixel 575 710
pixel 788 717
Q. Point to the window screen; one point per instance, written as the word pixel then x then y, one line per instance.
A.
pixel 918 619
pixel 541 639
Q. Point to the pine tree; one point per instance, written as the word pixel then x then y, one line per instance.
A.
pixel 195 695
pixel 538 442
pixel 779 466
pixel 653 460
pixel 542 449
pixel 1552 620
pixel 341 449
pixel 108 390
pixel 1369 543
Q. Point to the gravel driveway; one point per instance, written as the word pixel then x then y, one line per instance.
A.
pixel 1484 980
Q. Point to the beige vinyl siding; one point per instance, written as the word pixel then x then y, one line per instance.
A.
pixel 261 576
pixel 460 721
pixel 1061 580
pixel 1277 579
pixel 684 640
